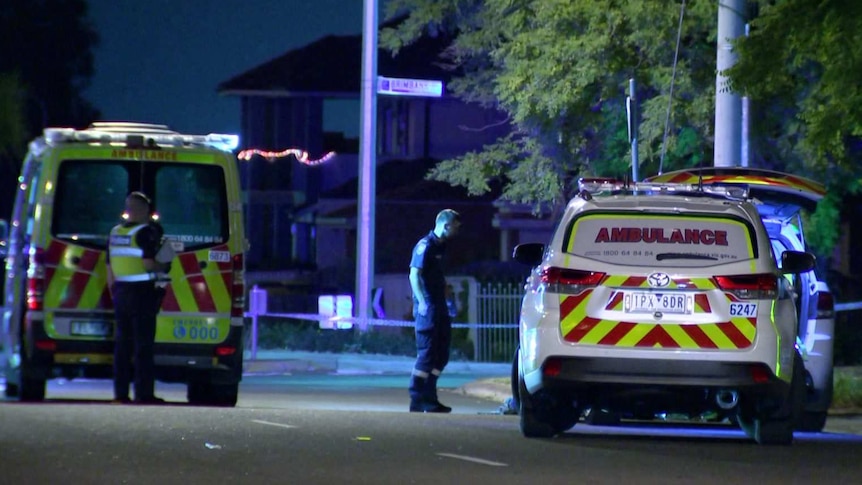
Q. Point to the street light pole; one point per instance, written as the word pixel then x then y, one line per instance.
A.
pixel 728 105
pixel 368 164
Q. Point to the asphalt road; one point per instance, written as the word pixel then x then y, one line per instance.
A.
pixel 321 428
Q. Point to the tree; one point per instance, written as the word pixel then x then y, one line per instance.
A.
pixel 46 62
pixel 559 69
pixel 802 60
pixel 48 44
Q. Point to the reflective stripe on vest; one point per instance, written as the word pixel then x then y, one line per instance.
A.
pixel 127 258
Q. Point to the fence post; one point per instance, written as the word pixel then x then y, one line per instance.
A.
pixel 257 306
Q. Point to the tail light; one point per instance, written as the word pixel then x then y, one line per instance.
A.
pixel 571 281
pixel 760 373
pixel 552 367
pixel 36 280
pixel 750 287
pixel 237 288
pixel 225 350
pixel 825 305
pixel 46 345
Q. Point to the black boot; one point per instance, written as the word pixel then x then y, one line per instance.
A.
pixel 431 396
pixel 417 390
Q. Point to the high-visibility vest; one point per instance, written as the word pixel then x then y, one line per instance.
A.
pixel 127 258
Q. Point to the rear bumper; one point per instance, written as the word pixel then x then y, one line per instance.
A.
pixel 586 370
pixel 659 385
pixel 94 358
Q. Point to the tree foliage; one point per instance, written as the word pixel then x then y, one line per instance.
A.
pixel 560 69
pixel 46 62
pixel 801 64
pixel 48 45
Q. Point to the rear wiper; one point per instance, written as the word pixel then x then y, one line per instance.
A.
pixel 663 256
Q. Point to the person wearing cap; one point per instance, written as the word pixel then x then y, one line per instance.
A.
pixel 431 313
pixel 132 278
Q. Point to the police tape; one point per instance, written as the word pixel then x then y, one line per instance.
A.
pixel 379 322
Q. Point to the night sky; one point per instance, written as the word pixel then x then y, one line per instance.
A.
pixel 160 61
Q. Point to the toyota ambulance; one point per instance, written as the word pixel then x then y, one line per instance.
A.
pixel 670 297
pixel 58 318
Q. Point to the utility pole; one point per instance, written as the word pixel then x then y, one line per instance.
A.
pixel 728 105
pixel 367 164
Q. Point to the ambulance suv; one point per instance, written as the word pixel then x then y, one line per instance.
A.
pixel 781 199
pixel 661 299
pixel 58 318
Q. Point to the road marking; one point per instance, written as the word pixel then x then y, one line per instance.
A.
pixel 472 459
pixel 272 424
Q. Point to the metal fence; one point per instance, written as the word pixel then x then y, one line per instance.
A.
pixel 498 311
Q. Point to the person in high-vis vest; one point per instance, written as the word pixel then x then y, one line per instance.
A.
pixel 132 275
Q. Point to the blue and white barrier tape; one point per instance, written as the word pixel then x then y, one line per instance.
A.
pixel 382 322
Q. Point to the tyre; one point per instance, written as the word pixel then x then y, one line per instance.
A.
pixel 777 428
pixel 602 417
pixel 514 380
pixel 27 389
pixel 812 421
pixel 542 417
pixel 209 394
pixel 32 390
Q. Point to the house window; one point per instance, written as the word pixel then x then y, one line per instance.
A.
pixel 394 128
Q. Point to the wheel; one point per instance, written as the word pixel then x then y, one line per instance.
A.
pixel 27 389
pixel 541 417
pixel 812 421
pixel 207 393
pixel 514 376
pixel 602 417
pixel 777 428
pixel 31 390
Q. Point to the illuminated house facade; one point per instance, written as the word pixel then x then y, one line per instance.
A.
pixel 301 217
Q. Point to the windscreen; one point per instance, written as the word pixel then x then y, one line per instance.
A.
pixel 661 240
pixel 192 204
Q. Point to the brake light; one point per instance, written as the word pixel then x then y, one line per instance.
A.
pixel 552 367
pixel 825 305
pixel 36 280
pixel 46 345
pixel 750 287
pixel 572 281
pixel 237 288
pixel 225 350
pixel 760 373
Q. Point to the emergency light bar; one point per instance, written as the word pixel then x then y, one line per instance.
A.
pixel 138 134
pixel 606 186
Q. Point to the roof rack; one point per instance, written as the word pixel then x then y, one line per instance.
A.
pixel 138 135
pixel 606 186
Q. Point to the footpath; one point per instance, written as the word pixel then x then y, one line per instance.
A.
pixel 492 381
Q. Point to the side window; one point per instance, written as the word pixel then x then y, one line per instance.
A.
pixel 89 200
pixel 192 204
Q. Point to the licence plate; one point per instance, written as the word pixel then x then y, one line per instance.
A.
pixel 91 329
pixel 651 302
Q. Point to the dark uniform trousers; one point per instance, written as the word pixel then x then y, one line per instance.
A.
pixel 136 306
pixel 433 343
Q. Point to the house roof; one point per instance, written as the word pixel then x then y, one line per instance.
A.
pixel 332 66
pixel 405 180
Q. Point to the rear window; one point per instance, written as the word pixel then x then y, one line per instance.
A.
pixel 660 240
pixel 189 198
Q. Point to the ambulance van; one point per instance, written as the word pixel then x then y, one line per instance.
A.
pixel 58 318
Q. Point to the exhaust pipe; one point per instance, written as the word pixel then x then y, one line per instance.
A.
pixel 727 398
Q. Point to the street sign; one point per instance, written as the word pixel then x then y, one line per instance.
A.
pixel 409 87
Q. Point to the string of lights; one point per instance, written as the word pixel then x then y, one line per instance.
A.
pixel 301 156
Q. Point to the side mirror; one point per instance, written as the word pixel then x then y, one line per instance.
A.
pixel 796 262
pixel 529 253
